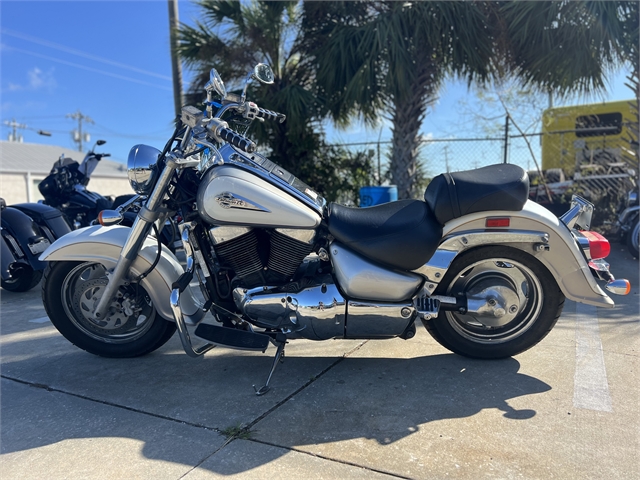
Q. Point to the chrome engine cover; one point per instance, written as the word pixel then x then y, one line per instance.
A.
pixel 320 312
pixel 229 195
pixel 316 313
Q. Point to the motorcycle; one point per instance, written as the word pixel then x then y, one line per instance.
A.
pixel 65 189
pixel 27 230
pixel 485 270
pixel 628 224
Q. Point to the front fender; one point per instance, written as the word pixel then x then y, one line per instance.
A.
pixel 563 259
pixel 104 244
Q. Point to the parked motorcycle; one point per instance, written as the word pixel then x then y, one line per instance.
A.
pixel 628 223
pixel 27 230
pixel 65 189
pixel 484 269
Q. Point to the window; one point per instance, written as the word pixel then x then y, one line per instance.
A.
pixel 599 125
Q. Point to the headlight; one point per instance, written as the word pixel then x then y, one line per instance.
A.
pixel 142 169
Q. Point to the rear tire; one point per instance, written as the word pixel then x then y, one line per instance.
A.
pixel 133 327
pixel 528 292
pixel 633 237
pixel 23 279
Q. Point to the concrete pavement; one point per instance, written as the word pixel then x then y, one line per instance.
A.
pixel 337 409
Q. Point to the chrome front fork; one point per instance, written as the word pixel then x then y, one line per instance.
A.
pixel 139 231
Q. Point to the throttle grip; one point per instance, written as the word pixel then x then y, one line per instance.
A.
pixel 271 115
pixel 222 133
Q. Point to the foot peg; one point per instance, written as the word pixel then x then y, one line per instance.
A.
pixel 427 307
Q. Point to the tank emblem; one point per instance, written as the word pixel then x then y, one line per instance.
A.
pixel 231 200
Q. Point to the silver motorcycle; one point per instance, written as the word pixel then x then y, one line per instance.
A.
pixel 485 270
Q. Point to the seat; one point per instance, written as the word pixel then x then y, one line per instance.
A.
pixel 402 234
pixel 496 187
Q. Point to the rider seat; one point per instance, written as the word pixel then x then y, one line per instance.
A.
pixel 402 234
pixel 496 187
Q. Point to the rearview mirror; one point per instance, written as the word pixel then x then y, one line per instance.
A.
pixel 263 73
pixel 215 83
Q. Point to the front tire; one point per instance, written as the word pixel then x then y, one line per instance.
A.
pixel 527 303
pixel 133 328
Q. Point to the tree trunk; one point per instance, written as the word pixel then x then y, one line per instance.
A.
pixel 409 110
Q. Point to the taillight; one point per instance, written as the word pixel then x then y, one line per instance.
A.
pixel 598 245
pixel 497 222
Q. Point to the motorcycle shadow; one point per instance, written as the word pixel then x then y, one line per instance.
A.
pixel 315 399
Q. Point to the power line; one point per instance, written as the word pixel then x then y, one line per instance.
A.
pixel 78 53
pixel 76 65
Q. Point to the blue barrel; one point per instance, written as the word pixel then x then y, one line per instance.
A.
pixel 370 196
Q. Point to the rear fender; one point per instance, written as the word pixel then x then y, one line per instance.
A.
pixel 104 244
pixel 533 230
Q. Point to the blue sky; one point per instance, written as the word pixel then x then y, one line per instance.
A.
pixel 110 60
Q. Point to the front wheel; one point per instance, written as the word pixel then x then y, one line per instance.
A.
pixel 513 300
pixel 71 290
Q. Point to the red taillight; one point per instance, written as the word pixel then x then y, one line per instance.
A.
pixel 497 222
pixel 598 245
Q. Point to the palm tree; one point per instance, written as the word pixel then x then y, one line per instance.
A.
pixel 233 37
pixel 391 58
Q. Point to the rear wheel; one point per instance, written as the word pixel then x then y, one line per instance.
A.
pixel 514 298
pixel 71 290
pixel 633 237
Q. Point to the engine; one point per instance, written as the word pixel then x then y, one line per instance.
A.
pixel 261 256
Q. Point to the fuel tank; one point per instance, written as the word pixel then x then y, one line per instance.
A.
pixel 229 195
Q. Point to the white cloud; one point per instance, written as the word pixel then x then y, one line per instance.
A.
pixel 37 80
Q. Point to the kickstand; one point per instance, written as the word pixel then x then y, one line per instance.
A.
pixel 278 358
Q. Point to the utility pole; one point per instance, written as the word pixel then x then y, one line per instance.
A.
pixel 446 157
pixel 506 139
pixel 14 136
pixel 176 68
pixel 77 134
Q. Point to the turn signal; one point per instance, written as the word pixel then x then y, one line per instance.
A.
pixel 109 217
pixel 598 245
pixel 619 287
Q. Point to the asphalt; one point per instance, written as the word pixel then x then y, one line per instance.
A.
pixel 337 409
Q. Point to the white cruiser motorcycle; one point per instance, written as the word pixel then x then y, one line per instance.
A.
pixel 483 268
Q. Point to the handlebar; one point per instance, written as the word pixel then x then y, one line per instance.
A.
pixel 222 133
pixel 271 115
pixel 254 111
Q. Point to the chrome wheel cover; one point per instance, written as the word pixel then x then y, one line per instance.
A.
pixel 130 314
pixel 518 288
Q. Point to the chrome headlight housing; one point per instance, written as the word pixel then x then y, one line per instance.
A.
pixel 142 168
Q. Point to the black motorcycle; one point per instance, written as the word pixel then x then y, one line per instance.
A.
pixel 65 189
pixel 27 230
pixel 628 224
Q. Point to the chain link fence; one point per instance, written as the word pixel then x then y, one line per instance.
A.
pixel 601 168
